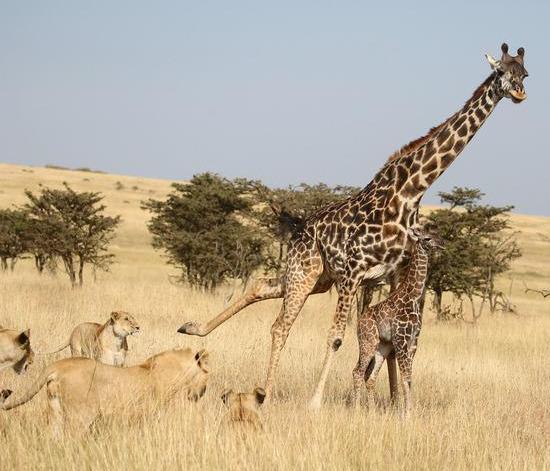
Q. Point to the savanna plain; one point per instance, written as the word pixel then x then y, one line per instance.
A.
pixel 481 392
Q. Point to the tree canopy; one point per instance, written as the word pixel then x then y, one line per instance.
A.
pixel 479 246
pixel 72 227
pixel 206 230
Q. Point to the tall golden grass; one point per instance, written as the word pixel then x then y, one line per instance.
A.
pixel 481 392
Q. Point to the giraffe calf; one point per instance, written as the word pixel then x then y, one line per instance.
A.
pixel 392 326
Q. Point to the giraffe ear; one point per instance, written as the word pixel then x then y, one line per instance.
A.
pixel 413 233
pixel 494 63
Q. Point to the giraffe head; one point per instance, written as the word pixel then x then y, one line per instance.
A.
pixel 427 240
pixel 511 72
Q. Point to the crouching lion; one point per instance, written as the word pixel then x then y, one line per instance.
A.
pixel 15 350
pixel 107 343
pixel 81 389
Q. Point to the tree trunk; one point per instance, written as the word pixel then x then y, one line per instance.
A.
pixel 39 263
pixel 13 261
pixel 80 271
pixel 69 268
pixel 491 295
pixel 438 299
pixel 422 301
pixel 4 263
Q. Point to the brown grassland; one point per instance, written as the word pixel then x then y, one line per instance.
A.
pixel 481 392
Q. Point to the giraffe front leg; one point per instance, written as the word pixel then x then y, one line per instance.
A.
pixel 404 337
pixel 404 360
pixel 346 293
pixel 393 379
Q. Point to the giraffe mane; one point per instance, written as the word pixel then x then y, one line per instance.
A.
pixel 417 143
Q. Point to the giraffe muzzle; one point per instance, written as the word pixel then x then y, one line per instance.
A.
pixel 518 95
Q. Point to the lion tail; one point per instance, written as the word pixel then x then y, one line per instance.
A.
pixel 16 399
pixel 63 346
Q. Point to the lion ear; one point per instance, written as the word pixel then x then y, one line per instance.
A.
pixel 149 364
pixel 202 358
pixel 259 394
pixel 24 337
pixel 115 315
pixel 226 395
pixel 4 394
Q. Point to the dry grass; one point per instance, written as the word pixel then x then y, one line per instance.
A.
pixel 481 392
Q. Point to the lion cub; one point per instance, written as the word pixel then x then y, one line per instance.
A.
pixel 15 350
pixel 106 343
pixel 244 408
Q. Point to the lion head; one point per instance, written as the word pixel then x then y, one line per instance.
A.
pixel 24 356
pixel 244 407
pixel 124 324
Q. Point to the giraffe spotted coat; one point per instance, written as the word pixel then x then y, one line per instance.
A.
pixel 365 238
pixel 391 327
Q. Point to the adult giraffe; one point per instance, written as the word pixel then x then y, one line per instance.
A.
pixel 365 238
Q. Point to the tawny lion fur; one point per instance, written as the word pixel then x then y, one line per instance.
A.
pixel 106 343
pixel 80 389
pixel 15 350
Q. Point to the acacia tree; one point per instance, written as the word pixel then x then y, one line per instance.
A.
pixel 36 245
pixel 479 246
pixel 13 243
pixel 71 226
pixel 207 231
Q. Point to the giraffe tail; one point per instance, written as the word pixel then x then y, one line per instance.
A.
pixel 369 369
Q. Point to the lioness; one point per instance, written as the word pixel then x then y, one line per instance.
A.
pixel 244 408
pixel 81 389
pixel 15 350
pixel 106 343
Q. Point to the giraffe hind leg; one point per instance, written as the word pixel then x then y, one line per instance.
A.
pixel 295 297
pixel 270 288
pixel 377 361
pixel 367 335
pixel 360 373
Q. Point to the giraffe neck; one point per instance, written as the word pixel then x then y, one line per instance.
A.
pixel 415 279
pixel 417 165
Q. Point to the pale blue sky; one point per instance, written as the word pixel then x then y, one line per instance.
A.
pixel 281 91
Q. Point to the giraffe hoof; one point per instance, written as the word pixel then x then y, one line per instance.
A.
pixel 189 328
